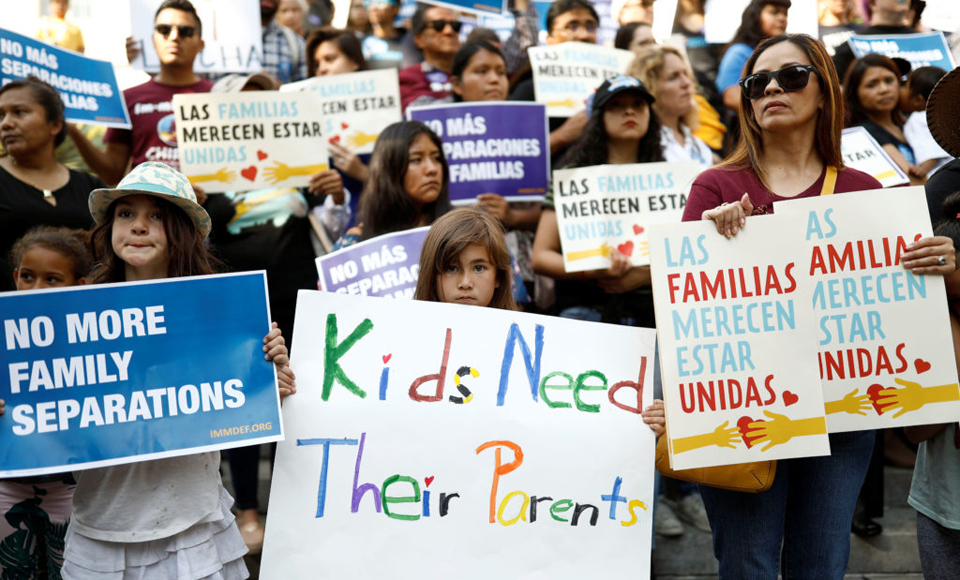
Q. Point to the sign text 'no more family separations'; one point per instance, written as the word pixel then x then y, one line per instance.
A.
pixel 115 373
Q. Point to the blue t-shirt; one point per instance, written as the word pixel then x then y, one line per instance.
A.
pixel 731 67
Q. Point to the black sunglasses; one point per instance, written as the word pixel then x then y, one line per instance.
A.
pixel 439 25
pixel 183 31
pixel 791 78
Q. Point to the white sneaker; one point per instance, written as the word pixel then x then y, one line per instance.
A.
pixel 690 509
pixel 665 522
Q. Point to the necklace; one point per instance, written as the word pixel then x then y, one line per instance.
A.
pixel 47 193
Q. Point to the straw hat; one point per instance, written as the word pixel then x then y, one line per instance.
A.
pixel 156 179
pixel 943 112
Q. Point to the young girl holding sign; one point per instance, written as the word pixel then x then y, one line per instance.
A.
pixel 153 519
pixel 465 261
pixel 34 511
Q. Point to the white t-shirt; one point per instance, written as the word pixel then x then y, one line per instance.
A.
pixel 924 146
pixel 693 148
pixel 150 500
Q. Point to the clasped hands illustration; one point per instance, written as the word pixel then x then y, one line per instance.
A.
pixel 910 397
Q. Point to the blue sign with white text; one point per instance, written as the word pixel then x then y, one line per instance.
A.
pixel 492 147
pixel 88 87
pixel 921 49
pixel 110 374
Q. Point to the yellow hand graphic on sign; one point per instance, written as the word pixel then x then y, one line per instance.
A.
pixel 603 251
pixel 722 436
pixel 851 403
pixel 568 103
pixel 360 139
pixel 222 175
pixel 913 396
pixel 282 171
pixel 780 429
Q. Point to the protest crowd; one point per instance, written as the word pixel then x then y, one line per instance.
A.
pixel 758 120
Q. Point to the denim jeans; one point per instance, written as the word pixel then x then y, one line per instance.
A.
pixel 807 511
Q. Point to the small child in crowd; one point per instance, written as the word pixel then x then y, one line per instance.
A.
pixel 34 511
pixel 929 156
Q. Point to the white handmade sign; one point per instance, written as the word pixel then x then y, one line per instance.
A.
pixel 356 107
pixel 606 207
pixel 737 343
pixel 231 35
pixel 249 140
pixel 564 75
pixel 886 349
pixel 862 152
pixel 461 442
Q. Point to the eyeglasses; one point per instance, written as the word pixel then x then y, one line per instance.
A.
pixel 439 25
pixel 791 78
pixel 574 26
pixel 183 31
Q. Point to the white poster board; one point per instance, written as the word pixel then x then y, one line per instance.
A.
pixel 886 351
pixel 232 36
pixel 722 19
pixel 402 417
pixel 249 140
pixel 356 107
pixel 737 343
pixel 603 207
pixel 861 151
pixel 564 75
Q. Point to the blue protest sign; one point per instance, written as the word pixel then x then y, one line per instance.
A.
pixel 471 6
pixel 88 87
pixel 492 147
pixel 921 49
pixel 117 373
pixel 384 266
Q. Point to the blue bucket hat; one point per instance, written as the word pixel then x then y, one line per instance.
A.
pixel 156 179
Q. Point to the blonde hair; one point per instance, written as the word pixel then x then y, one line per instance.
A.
pixel 448 236
pixel 648 66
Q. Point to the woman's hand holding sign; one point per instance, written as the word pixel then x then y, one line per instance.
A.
pixel 730 217
pixel 933 255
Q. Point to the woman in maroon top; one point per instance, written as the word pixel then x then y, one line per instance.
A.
pixel 790 122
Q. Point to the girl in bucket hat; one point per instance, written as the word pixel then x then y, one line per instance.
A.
pixel 156 519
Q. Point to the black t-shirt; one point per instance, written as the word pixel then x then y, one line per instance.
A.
pixel 943 183
pixel 23 206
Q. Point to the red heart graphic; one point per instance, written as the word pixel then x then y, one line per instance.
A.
pixel 917 237
pixel 344 125
pixel 637 230
pixel 429 480
pixel 335 140
pixel 921 365
pixel 261 155
pixel 250 173
pixel 742 424
pixel 874 392
pixel 789 398
pixel 626 248
pixel 386 358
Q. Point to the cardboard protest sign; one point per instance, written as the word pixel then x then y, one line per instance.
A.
pixel 117 373
pixel 921 49
pixel 386 265
pixel 499 148
pixel 88 87
pixel 516 433
pixel 728 310
pixel 249 140
pixel 356 107
pixel 861 151
pixel 886 350
pixel 472 6
pixel 232 36
pixel 564 75
pixel 603 207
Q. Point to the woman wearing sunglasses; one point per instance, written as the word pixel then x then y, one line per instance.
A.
pixel 789 148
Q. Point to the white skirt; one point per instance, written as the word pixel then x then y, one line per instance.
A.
pixel 205 551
